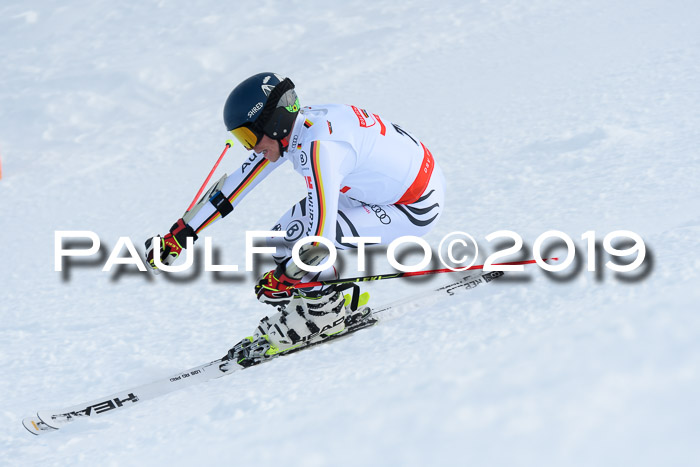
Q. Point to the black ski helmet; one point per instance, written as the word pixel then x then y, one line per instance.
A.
pixel 266 104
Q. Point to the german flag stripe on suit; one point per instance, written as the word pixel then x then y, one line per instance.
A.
pixel 316 171
pixel 254 173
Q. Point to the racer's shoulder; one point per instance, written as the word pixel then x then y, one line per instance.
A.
pixel 329 122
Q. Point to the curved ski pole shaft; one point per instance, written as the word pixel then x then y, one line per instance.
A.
pixel 407 274
pixel 229 143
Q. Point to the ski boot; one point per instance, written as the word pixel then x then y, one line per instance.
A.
pixel 307 319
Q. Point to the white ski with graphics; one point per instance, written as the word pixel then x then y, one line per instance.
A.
pixel 51 420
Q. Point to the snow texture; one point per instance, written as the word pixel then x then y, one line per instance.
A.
pixel 545 114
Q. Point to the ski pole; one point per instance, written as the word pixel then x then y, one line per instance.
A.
pixel 406 274
pixel 229 143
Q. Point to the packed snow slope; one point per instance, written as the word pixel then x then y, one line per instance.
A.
pixel 574 116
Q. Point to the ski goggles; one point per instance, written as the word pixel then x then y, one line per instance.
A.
pixel 247 136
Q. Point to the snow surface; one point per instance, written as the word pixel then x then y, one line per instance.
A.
pixel 545 114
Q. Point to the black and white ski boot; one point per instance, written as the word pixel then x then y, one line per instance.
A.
pixel 307 319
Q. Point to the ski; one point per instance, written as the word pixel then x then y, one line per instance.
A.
pixel 51 420
pixel 35 426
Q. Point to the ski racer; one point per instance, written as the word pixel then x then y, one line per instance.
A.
pixel 364 176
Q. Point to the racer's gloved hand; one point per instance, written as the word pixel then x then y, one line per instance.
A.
pixel 275 288
pixel 170 245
